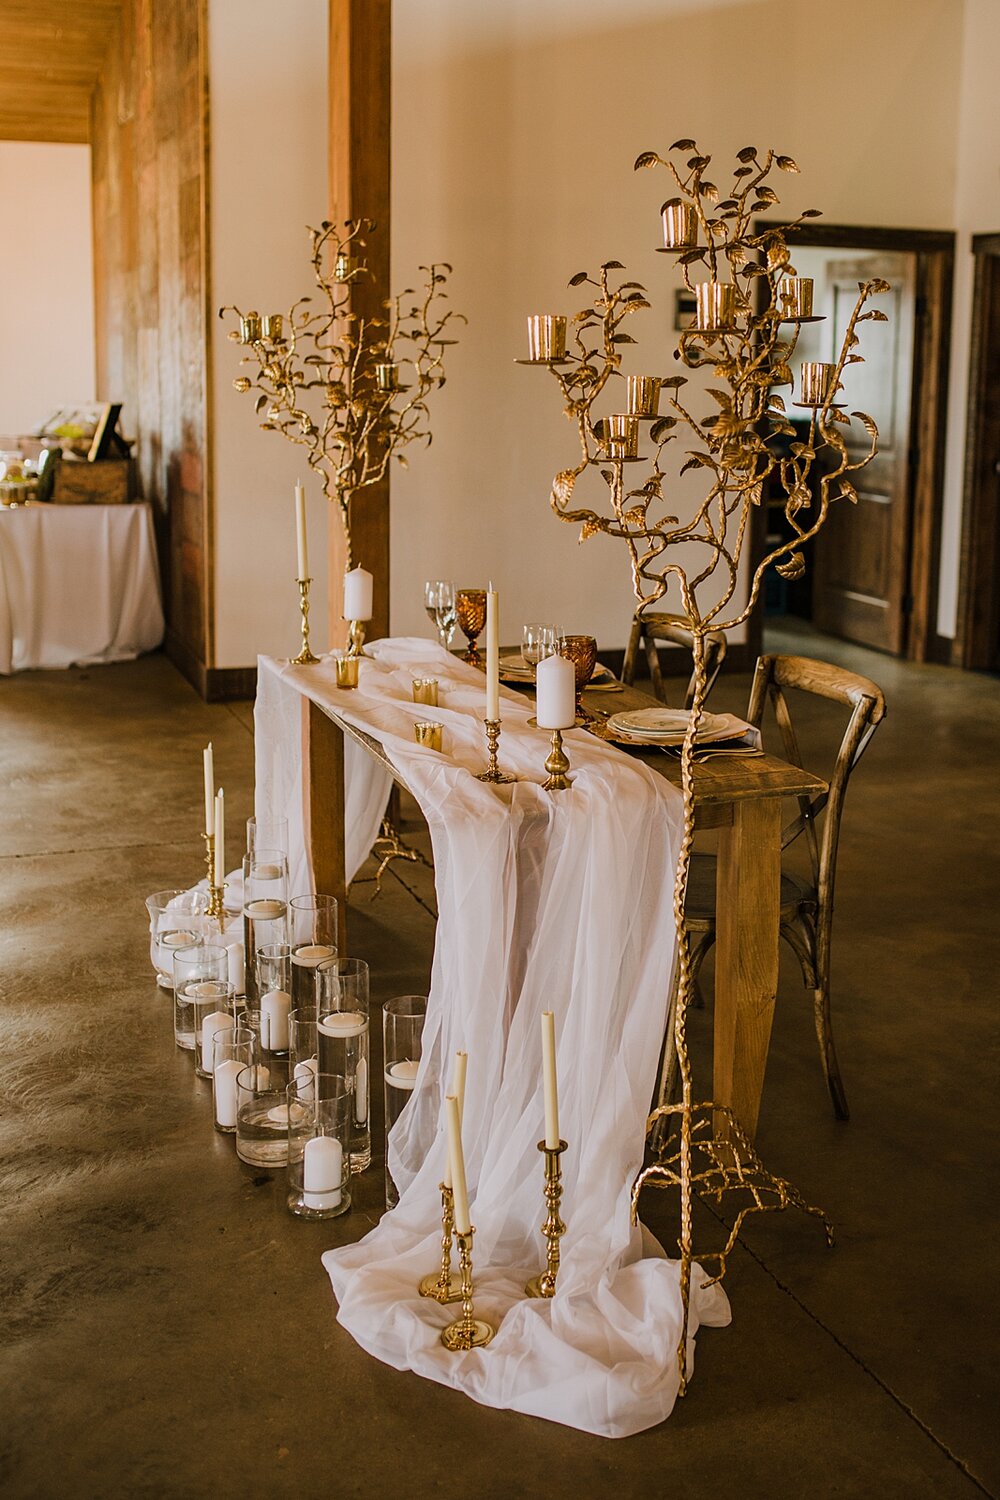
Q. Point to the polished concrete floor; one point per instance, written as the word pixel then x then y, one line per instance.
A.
pixel 167 1327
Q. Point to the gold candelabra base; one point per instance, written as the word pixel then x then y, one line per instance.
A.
pixel 493 772
pixel 355 637
pixel 468 1331
pixel 305 656
pixel 544 1284
pixel 557 764
pixel 442 1285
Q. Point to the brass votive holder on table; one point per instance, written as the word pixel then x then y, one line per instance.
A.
pixel 557 764
pixel 468 1331
pixel 643 395
pixel 305 656
pixel 429 734
pixel 470 611
pixel 347 669
pixel 680 225
pixel 544 1284
pixel 425 690
pixel 817 383
pixel 715 306
pixel 493 772
pixel 442 1285
pixel 546 338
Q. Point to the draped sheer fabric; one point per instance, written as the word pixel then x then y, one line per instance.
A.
pixel 546 901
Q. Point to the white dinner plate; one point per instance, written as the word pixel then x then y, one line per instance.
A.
pixel 664 726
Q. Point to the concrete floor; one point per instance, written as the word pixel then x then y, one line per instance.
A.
pixel 169 1330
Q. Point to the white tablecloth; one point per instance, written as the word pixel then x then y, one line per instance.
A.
pixel 546 901
pixel 78 585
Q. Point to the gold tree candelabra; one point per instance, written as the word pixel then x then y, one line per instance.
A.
pixel 352 391
pixel 749 310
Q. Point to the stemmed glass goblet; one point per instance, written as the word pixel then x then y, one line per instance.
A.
pixel 470 607
pixel 439 602
pixel 582 652
pixel 538 642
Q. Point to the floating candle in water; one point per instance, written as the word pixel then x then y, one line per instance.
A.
pixel 179 939
pixel 311 954
pixel 402 1075
pixel 267 872
pixel 344 1023
pixel 322 1172
pixel 265 910
pixel 274 1008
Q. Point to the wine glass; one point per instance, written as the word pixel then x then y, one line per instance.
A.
pixel 582 652
pixel 538 642
pixel 439 602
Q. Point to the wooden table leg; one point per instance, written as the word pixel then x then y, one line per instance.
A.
pixel 746 964
pixel 324 760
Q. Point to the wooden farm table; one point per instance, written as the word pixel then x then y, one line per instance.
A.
pixel 741 797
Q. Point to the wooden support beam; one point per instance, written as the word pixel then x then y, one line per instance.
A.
pixel 360 100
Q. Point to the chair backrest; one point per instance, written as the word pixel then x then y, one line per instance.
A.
pixel 673 628
pixel 864 698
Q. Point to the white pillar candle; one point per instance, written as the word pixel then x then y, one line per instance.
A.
pixel 555 693
pixel 209 761
pixel 322 1172
pixel 224 1086
pixel 218 1020
pixel 274 1008
pixel 220 837
pixel 549 1073
pixel 492 653
pixel 301 539
pixel 305 1077
pixel 358 592
pixel 361 1092
pixel 463 1222
pixel 237 966
pixel 458 1072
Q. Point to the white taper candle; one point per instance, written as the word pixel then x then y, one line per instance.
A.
pixel 458 1073
pixel 209 790
pixel 492 653
pixel 301 539
pixel 220 837
pixel 463 1222
pixel 549 1074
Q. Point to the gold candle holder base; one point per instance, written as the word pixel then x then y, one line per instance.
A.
pixel 557 764
pixel 442 1285
pixel 355 637
pixel 544 1284
pixel 493 772
pixel 305 656
pixel 468 1331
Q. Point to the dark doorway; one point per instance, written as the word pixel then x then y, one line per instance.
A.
pixel 873 574
pixel 978 644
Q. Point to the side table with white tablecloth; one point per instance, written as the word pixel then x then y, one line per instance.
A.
pixel 79 585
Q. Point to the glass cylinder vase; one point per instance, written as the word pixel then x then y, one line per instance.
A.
pixel 343 1035
pixel 402 1040
pixel 319 1150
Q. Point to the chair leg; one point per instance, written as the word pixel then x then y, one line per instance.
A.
pixel 631 652
pixel 668 1074
pixel 653 662
pixel 827 1051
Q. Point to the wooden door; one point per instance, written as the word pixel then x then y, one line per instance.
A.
pixel 979 610
pixel 862 554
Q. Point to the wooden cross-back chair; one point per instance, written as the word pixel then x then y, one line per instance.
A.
pixel 806 903
pixel 648 628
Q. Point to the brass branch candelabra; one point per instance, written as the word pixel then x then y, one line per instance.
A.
pixel 352 391
pixel 749 307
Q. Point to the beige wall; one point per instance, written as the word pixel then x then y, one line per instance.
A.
pixel 268 82
pixel 514 132
pixel 46 282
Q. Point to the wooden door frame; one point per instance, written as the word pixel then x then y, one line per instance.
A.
pixel 935 268
pixel 973 646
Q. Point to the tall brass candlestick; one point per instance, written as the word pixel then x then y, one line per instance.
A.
pixel 442 1285
pixel 216 903
pixel 305 656
pixel 557 764
pixel 493 772
pixel 468 1331
pixel 544 1285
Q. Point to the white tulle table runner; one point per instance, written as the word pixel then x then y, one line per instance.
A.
pixel 545 901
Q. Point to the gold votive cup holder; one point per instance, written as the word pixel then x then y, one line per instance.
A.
pixel 621 435
pixel 796 297
pixel 250 328
pixel 347 669
pixel 429 734
pixel 546 337
pixel 273 325
pixel 443 1285
pixel 643 395
pixel 425 690
pixel 817 382
pixel 387 377
pixel 557 765
pixel 680 225
pixel 344 267
pixel 544 1284
pixel 305 656
pixel 468 1331
pixel 493 772
pixel 714 306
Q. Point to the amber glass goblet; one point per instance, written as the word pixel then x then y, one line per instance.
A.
pixel 470 606
pixel 582 652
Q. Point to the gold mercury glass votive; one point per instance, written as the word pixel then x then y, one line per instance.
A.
pixel 643 397
pixel 425 690
pixel 250 328
pixel 680 225
pixel 546 336
pixel 797 297
pixel 816 381
pixel 387 377
pixel 344 267
pixel 347 671
pixel 622 436
pixel 715 305
pixel 427 733
pixel 273 325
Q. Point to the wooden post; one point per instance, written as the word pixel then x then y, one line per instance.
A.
pixel 325 780
pixel 360 97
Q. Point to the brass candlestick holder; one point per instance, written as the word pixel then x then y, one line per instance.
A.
pixel 216 893
pixel 442 1285
pixel 468 1331
pixel 557 764
pixel 355 637
pixel 544 1284
pixel 305 656
pixel 493 772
